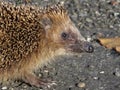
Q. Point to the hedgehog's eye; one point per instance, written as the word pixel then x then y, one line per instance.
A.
pixel 64 35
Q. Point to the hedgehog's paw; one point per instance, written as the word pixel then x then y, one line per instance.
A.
pixel 35 81
pixel 47 84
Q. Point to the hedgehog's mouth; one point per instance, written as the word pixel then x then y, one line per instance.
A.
pixel 81 46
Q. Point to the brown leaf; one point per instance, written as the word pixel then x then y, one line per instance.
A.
pixel 111 43
pixel 118 48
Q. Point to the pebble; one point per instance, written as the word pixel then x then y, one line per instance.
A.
pixel 46 71
pixel 81 85
pixel 100 34
pixel 102 72
pixel 89 39
pixel 40 75
pixel 97 13
pixel 83 14
pixel 4 88
pixel 89 20
pixel 117 72
pixel 25 86
pixel 96 78
pixel 111 26
pixel 116 14
pixel 101 88
pixel 11 88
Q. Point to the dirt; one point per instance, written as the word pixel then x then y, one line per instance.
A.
pixel 99 70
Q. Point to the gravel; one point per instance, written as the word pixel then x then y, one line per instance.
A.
pixel 97 71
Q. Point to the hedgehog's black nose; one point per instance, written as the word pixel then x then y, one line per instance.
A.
pixel 88 48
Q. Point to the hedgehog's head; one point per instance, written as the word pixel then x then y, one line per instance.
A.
pixel 61 32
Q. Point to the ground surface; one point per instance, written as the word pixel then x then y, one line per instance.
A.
pixel 97 71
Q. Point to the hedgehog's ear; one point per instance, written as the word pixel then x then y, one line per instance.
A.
pixel 46 23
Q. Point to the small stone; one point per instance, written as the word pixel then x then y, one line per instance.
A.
pixel 102 72
pixel 96 78
pixel 116 14
pixel 111 26
pixel 46 0
pixel 117 72
pixel 119 25
pixel 25 86
pixel 100 34
pixel 46 71
pixel 83 14
pixel 101 88
pixel 81 85
pixel 97 13
pixel 4 88
pixel 89 39
pixel 89 20
pixel 40 75
pixel 11 88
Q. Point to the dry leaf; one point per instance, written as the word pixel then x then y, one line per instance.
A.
pixel 118 48
pixel 111 43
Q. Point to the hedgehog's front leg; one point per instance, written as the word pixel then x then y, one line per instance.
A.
pixel 32 79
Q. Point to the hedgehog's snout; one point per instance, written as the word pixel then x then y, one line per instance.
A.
pixel 81 46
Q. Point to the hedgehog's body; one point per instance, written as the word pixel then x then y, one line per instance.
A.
pixel 30 37
pixel 17 40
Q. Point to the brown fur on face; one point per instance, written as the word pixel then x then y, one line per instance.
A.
pixel 59 24
pixel 31 37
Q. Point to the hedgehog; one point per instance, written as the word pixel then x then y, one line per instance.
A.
pixel 32 36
